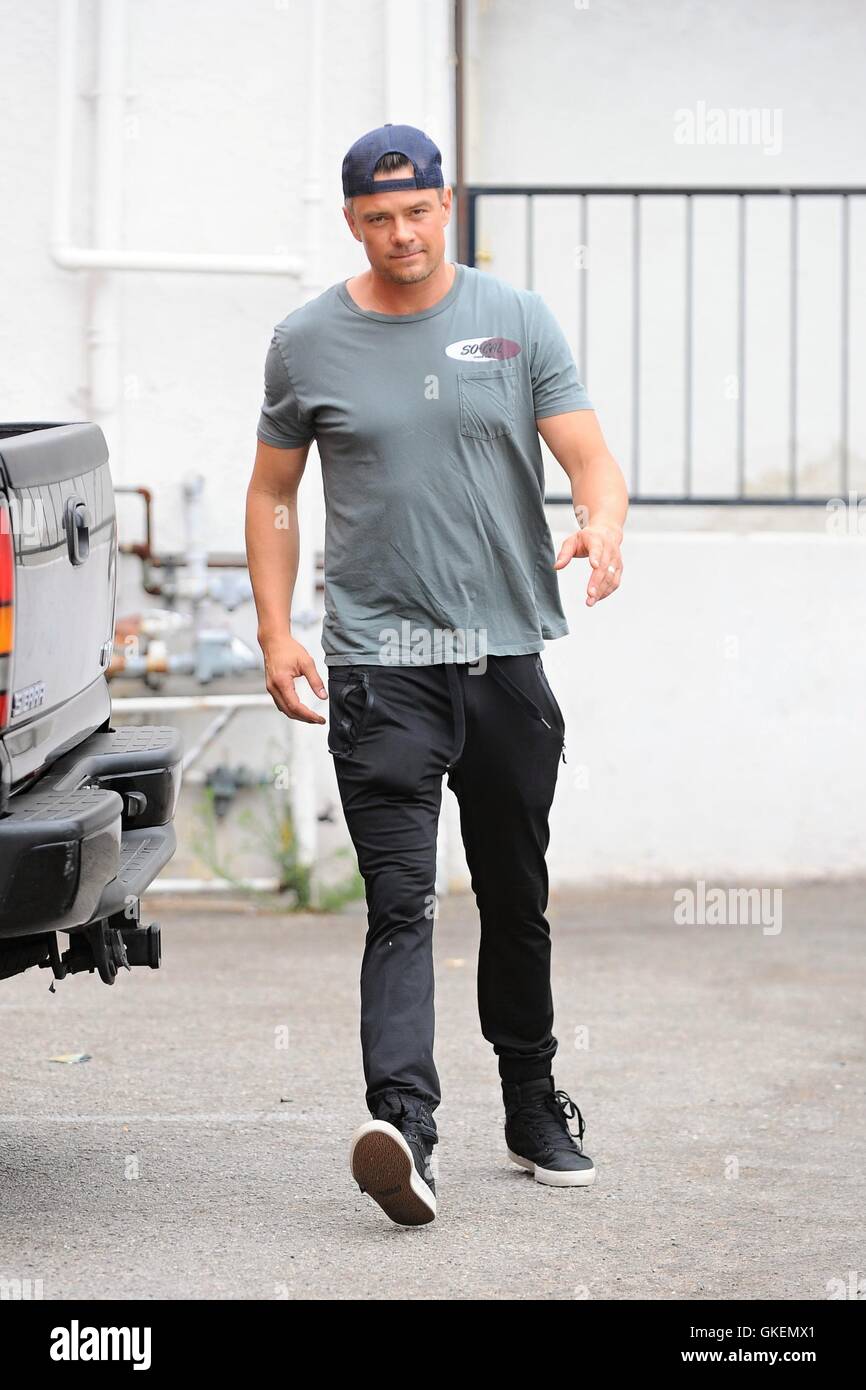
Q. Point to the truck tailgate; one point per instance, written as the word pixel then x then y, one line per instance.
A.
pixel 58 486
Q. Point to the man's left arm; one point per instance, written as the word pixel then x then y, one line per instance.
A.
pixel 599 494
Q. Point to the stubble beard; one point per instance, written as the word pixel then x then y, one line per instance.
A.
pixel 408 274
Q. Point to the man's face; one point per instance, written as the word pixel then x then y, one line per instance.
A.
pixel 402 231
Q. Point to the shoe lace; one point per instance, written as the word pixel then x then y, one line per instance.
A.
pixel 550 1117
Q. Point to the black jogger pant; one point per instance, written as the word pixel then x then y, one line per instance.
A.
pixel 496 728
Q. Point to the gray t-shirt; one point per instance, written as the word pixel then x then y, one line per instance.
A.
pixel 437 547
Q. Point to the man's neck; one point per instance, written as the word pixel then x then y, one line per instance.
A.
pixel 382 296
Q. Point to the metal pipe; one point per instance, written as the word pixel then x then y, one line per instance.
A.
pixel 584 290
pixel 635 343
pixel 146 704
pixel 105 255
pixel 103 337
pixel 210 885
pixel 561 499
pixel 741 345
pixel 661 190
pixel 465 252
pixel 216 559
pixel 301 753
pixel 845 349
pixel 793 272
pixel 195 586
pixel 185 262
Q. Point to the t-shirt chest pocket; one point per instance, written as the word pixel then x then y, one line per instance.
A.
pixel 487 401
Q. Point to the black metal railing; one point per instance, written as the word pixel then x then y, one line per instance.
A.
pixel 792 494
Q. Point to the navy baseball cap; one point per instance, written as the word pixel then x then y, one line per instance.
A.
pixel 418 149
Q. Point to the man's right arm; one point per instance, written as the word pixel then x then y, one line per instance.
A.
pixel 273 549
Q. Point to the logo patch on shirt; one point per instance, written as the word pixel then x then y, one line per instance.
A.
pixel 483 349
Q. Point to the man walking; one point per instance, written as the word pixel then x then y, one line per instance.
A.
pixel 425 386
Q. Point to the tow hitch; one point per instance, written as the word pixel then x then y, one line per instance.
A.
pixel 113 943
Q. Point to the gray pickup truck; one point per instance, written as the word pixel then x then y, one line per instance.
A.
pixel 86 810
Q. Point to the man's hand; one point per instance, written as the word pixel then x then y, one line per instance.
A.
pixel 598 490
pixel 285 661
pixel 600 544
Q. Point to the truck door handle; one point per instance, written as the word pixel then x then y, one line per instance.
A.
pixel 76 518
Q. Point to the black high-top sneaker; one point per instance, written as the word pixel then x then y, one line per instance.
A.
pixel 537 1134
pixel 390 1159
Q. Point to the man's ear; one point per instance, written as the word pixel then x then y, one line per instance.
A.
pixel 351 223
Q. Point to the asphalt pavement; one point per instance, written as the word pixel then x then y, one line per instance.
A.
pixel 202 1149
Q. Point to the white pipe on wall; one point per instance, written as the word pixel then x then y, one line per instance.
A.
pixel 197 262
pixel 151 704
pixel 109 255
pixel 103 337
pixel 305 618
pixel 210 885
pixel 195 584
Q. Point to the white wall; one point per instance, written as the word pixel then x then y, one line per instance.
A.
pixel 714 712
pixel 697 762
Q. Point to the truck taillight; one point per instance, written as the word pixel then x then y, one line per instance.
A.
pixel 7 607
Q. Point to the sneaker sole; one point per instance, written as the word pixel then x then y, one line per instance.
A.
pixel 382 1164
pixel 551 1177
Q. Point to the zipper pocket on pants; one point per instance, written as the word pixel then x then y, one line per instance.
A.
pixel 350 715
pixel 542 676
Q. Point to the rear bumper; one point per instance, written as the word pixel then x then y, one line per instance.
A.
pixel 92 834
